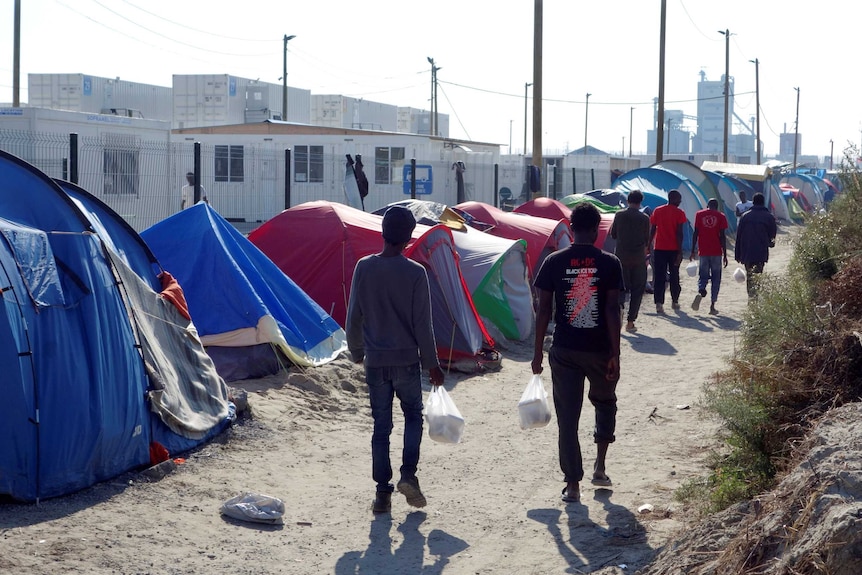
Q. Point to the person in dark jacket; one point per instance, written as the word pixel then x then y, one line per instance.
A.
pixel 755 234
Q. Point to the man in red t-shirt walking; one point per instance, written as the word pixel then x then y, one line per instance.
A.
pixel 666 238
pixel 709 226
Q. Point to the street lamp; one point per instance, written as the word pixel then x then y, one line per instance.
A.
pixel 586 122
pixel 796 131
pixel 726 34
pixel 284 80
pixel 526 85
pixel 756 63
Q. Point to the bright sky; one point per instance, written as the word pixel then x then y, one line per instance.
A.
pixel 378 50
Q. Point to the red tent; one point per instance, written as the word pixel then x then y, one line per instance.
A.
pixel 557 210
pixel 542 235
pixel 317 244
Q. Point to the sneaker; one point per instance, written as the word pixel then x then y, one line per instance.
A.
pixel 410 488
pixel 659 309
pixel 695 305
pixel 713 311
pixel 675 305
pixel 630 327
pixel 382 502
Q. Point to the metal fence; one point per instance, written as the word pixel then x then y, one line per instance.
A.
pixel 247 184
pixel 250 183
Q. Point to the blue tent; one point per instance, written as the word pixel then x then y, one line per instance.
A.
pixel 655 183
pixel 238 298
pixel 96 365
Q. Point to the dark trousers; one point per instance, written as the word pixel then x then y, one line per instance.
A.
pixel 634 280
pixel 568 370
pixel 664 263
pixel 385 383
pixel 750 280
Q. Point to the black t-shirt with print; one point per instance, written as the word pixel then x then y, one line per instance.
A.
pixel 580 277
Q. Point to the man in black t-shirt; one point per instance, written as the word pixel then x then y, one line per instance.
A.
pixel 582 283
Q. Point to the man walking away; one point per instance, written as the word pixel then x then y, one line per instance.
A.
pixel 389 327
pixel 743 205
pixel 582 283
pixel 755 234
pixel 666 234
pixel 631 232
pixel 710 243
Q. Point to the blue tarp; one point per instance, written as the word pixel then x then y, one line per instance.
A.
pixel 237 296
pixel 74 386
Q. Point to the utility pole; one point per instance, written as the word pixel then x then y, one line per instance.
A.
pixel 757 103
pixel 831 153
pixel 16 58
pixel 435 125
pixel 659 134
pixel 726 34
pixel 586 122
pixel 526 85
pixel 631 121
pixel 284 80
pixel 537 84
pixel 796 131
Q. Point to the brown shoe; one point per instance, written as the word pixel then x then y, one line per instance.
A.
pixel 410 489
pixel 382 502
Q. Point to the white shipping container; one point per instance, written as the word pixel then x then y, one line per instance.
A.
pixel 94 94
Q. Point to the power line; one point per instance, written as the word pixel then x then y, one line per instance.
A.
pixel 456 114
pixel 187 27
pixel 159 34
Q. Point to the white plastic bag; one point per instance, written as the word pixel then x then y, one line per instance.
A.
pixel 739 275
pixel 533 408
pixel 445 423
pixel 691 269
pixel 254 507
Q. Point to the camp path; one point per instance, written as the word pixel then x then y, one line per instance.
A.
pixel 493 501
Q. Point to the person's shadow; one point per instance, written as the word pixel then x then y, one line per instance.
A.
pixel 380 559
pixel 579 549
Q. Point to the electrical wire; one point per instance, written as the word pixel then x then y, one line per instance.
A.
pixel 455 113
pixel 185 26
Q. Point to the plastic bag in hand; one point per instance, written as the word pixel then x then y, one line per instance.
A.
pixel 739 275
pixel 445 423
pixel 691 269
pixel 533 408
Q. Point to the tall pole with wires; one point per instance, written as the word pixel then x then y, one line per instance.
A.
pixel 756 63
pixel 796 131
pixel 726 34
pixel 526 85
pixel 435 126
pixel 284 80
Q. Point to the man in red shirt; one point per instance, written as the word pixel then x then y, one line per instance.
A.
pixel 709 226
pixel 666 238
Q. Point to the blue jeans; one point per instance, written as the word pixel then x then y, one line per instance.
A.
pixel 710 269
pixel 384 383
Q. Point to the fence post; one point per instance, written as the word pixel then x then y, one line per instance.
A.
pixel 73 158
pixel 555 181
pixel 412 178
pixel 496 185
pixel 574 181
pixel 197 153
pixel 287 178
pixel 592 178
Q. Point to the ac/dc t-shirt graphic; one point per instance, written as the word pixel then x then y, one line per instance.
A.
pixel 580 277
pixel 582 304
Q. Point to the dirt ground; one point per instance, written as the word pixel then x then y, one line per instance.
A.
pixel 493 500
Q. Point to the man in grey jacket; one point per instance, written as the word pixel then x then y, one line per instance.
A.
pixel 389 327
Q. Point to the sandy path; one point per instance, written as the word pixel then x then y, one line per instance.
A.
pixel 493 500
